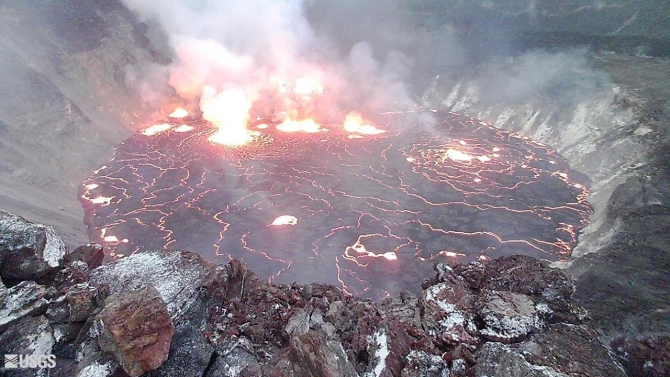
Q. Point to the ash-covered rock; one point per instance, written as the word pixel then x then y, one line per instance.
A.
pixel 25 299
pixel 507 316
pixel 500 360
pixel 28 251
pixel 165 313
pixel 176 275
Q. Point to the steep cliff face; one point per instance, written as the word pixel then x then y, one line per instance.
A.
pixel 64 102
pixel 614 129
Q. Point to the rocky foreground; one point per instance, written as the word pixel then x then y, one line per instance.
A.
pixel 171 313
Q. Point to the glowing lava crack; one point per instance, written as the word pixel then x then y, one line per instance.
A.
pixel 370 213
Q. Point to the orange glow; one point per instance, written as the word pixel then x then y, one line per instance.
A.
pixel 451 254
pixel 183 128
pixel 111 239
pixel 354 123
pixel 305 125
pixel 484 158
pixel 305 86
pixel 92 186
pixel 156 129
pixel 360 249
pixel 101 200
pixel 229 112
pixel 262 126
pixel 456 155
pixel 285 220
pixel 390 255
pixel 178 113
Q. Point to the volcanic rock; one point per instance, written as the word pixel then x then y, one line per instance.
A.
pixel 527 276
pixel 422 364
pixel 448 312
pixel 499 360
pixel 3 293
pixel 507 316
pixel 315 354
pixel 191 353
pixel 25 299
pixel 177 275
pixel 77 304
pixel 571 349
pixel 92 254
pixel 30 335
pixel 646 356
pixel 76 272
pixel 28 251
pixel 136 329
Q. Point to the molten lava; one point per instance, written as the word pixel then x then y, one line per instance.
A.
pixel 304 125
pixel 229 112
pixel 178 113
pixel 354 123
pixel 285 220
pixel 156 129
pixel 375 214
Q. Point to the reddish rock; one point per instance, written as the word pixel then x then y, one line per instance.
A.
pixel 136 329
pixel 92 254
pixel 448 313
pixel 75 305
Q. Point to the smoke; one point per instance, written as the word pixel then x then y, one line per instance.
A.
pixel 565 77
pixel 235 60
pixel 262 56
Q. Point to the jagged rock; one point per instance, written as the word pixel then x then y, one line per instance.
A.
pixel 528 276
pixel 177 275
pixel 448 312
pixel 76 305
pixel 499 360
pixel 30 335
pixel 24 299
pixel 66 332
pixel 647 356
pixel 508 317
pixel 422 364
pixel 76 272
pixel 314 354
pixel 136 329
pixel 3 293
pixel 574 350
pixel 235 360
pixel 98 370
pixel 190 351
pixel 92 254
pixel 28 251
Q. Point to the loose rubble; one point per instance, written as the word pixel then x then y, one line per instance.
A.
pixel 167 313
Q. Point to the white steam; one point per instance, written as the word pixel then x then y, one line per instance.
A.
pixel 232 56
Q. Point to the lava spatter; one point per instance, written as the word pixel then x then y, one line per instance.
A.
pixel 371 214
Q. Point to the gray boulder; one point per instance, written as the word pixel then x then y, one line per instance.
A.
pixel 25 299
pixel 28 251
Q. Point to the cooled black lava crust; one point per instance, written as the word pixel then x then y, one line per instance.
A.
pixel 373 212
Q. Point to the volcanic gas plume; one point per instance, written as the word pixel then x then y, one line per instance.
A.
pixel 368 206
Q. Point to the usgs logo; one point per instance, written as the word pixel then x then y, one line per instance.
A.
pixel 29 361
